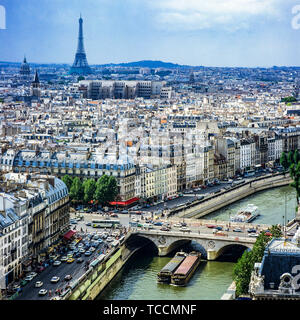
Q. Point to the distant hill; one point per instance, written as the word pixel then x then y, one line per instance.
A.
pixel 146 64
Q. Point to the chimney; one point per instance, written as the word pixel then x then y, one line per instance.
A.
pixel 2 209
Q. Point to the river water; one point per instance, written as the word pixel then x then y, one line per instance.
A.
pixel 137 280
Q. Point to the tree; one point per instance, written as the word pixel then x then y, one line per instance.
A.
pixel 76 190
pixel 296 156
pixel 290 158
pixel 89 188
pixel 284 161
pixel 244 267
pixel 68 181
pixel 276 231
pixel 295 175
pixel 80 78
pixel 106 189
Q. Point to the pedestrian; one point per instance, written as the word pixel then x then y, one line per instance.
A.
pixel 49 293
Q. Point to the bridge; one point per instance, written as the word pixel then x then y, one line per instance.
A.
pixel 214 245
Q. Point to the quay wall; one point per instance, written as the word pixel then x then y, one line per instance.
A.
pixel 217 201
pixel 91 284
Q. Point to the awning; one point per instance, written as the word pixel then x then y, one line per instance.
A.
pixel 69 234
pixel 124 203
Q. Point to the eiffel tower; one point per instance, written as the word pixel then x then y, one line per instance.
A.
pixel 80 65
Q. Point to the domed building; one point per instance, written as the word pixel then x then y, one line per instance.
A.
pixel 25 68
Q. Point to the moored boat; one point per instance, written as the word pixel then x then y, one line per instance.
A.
pixel 187 268
pixel 165 274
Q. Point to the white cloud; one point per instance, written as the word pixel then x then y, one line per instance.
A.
pixel 209 14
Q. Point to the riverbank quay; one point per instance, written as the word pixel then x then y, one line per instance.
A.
pixel 98 276
pixel 230 292
pixel 211 203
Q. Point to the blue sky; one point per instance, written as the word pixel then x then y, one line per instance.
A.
pixel 246 33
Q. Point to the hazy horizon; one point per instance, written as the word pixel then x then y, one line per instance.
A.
pixel 215 33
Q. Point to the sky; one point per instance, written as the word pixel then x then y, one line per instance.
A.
pixel 217 33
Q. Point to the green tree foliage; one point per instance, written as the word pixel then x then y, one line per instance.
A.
pixel 290 158
pixel 106 189
pixel 76 190
pixel 296 156
pixel 89 188
pixel 289 99
pixel 244 267
pixel 80 78
pixel 276 231
pixel 68 181
pixel 284 160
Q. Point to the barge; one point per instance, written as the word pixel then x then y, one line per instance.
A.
pixel 165 274
pixel 187 268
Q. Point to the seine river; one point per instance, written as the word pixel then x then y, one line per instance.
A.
pixel 137 280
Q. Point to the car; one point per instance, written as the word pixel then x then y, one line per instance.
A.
pixel 211 226
pixel 63 259
pixel 237 230
pixel 290 233
pixel 221 233
pixel 80 245
pixel 68 277
pixel 69 255
pixel 92 249
pixel 38 284
pixel 28 278
pixel 251 230
pixel 184 229
pixel 253 235
pixel 219 228
pixel 88 253
pixel 269 234
pixel 88 224
pixel 158 223
pixel 110 239
pixel 43 292
pixel 177 225
pixel 56 263
pixel 23 283
pixel 164 229
pixel 70 260
pixel 81 250
pixel 79 260
pixel 33 274
pixel 54 279
pixel 16 287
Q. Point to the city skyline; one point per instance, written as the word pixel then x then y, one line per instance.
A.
pixel 233 33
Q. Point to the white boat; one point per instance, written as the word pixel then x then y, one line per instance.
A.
pixel 246 215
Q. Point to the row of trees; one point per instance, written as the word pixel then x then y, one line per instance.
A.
pixel 291 161
pixel 102 191
pixel 245 265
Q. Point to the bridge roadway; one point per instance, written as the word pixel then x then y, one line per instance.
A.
pixel 214 245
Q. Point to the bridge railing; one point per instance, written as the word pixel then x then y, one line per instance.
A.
pixel 200 235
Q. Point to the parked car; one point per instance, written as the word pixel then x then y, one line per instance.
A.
pixel 38 284
pixel 54 279
pixel 79 260
pixel 68 277
pixel 56 263
pixel 70 260
pixel 237 230
pixel 28 278
pixel 87 253
pixel 43 292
